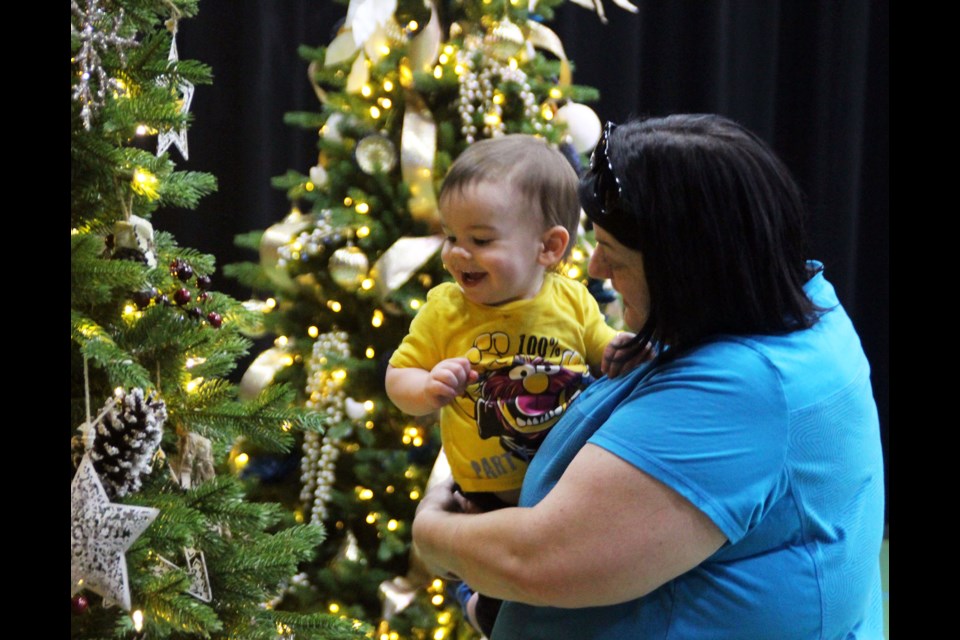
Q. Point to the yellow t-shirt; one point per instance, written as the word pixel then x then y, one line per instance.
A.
pixel 533 356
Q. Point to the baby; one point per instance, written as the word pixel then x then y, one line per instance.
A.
pixel 505 349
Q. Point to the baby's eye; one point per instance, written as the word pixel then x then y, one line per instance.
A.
pixel 480 242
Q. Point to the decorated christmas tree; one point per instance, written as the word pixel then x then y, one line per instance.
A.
pixel 403 88
pixel 165 541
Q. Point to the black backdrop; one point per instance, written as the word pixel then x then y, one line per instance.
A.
pixel 809 76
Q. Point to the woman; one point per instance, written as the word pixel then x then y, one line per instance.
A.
pixel 732 487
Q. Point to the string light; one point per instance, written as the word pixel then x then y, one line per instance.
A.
pixel 577 254
pixel 313 331
pixel 369 425
pixel 392 525
pixel 309 186
pixel 555 93
pixel 363 232
pixel 366 91
pixel 371 518
pixel 367 284
pixel 334 306
pixel 438 72
pixel 137 620
pixel 339 375
pixel 437 600
pixel 415 304
pixel 364 493
pixel 374 112
pixel 145 183
pixel 444 617
pixel 270 304
pixel 443 59
pixel 369 352
pixel 377 319
pixel 573 271
pixel 368 405
pixel 347 201
pixel 387 85
pixel 193 384
pixel 414 495
pixel 362 208
pixel 386 103
pixel 412 25
pixel 334 607
pixel 281 341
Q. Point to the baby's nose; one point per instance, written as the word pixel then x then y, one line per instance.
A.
pixel 460 252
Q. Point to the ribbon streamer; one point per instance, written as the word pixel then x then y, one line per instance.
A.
pixel 404 258
pixel 425 46
pixel 273 238
pixel 261 372
pixel 544 38
pixel 418 146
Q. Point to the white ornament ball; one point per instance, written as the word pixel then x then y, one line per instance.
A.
pixel 318 176
pixel 331 130
pixel 582 123
pixel 355 410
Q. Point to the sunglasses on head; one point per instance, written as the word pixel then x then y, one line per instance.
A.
pixel 606 186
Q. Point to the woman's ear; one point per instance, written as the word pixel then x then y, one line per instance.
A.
pixel 555 241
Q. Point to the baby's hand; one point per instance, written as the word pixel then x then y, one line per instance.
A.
pixel 449 379
pixel 612 366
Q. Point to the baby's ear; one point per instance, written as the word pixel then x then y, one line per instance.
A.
pixel 555 240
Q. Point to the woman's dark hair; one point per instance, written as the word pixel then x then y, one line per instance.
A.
pixel 719 222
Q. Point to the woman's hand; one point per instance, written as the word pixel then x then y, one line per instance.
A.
pixel 439 500
pixel 613 366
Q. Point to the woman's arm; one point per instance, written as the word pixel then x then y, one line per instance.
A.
pixel 606 533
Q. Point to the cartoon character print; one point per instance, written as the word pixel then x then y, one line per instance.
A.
pixel 518 398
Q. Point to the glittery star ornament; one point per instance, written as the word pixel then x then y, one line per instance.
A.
pixel 100 533
pixel 178 137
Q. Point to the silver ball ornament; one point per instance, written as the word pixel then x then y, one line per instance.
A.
pixel 375 153
pixel 348 267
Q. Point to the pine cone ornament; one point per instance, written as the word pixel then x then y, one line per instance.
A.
pixel 126 439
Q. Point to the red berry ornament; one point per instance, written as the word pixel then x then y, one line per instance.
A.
pixel 181 297
pixel 214 319
pixel 79 604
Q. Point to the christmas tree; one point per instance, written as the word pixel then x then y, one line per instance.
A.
pixel 404 87
pixel 164 539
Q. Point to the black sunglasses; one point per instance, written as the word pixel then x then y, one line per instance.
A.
pixel 606 186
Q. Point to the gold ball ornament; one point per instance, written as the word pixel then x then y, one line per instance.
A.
pixel 348 267
pixel 504 39
pixel 376 154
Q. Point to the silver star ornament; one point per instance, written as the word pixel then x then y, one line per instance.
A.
pixel 100 534
pixel 178 137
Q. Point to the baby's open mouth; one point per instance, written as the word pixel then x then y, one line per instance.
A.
pixel 472 277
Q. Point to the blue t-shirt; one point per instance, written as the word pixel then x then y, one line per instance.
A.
pixel 776 440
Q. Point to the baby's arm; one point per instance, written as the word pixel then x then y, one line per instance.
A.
pixel 418 391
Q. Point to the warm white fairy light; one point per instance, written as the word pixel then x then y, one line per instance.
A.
pixel 369 352
pixel 362 208
pixel 414 495
pixel 364 494
pixel 334 306
pixel 347 201
pixel 377 319
pixel 137 617
pixel 313 331
pixel 387 85
pixel 366 91
pixel 367 284
pixel 438 72
pixel 374 112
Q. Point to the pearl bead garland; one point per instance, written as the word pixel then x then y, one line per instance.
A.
pixel 325 394
pixel 477 90
pixel 308 244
